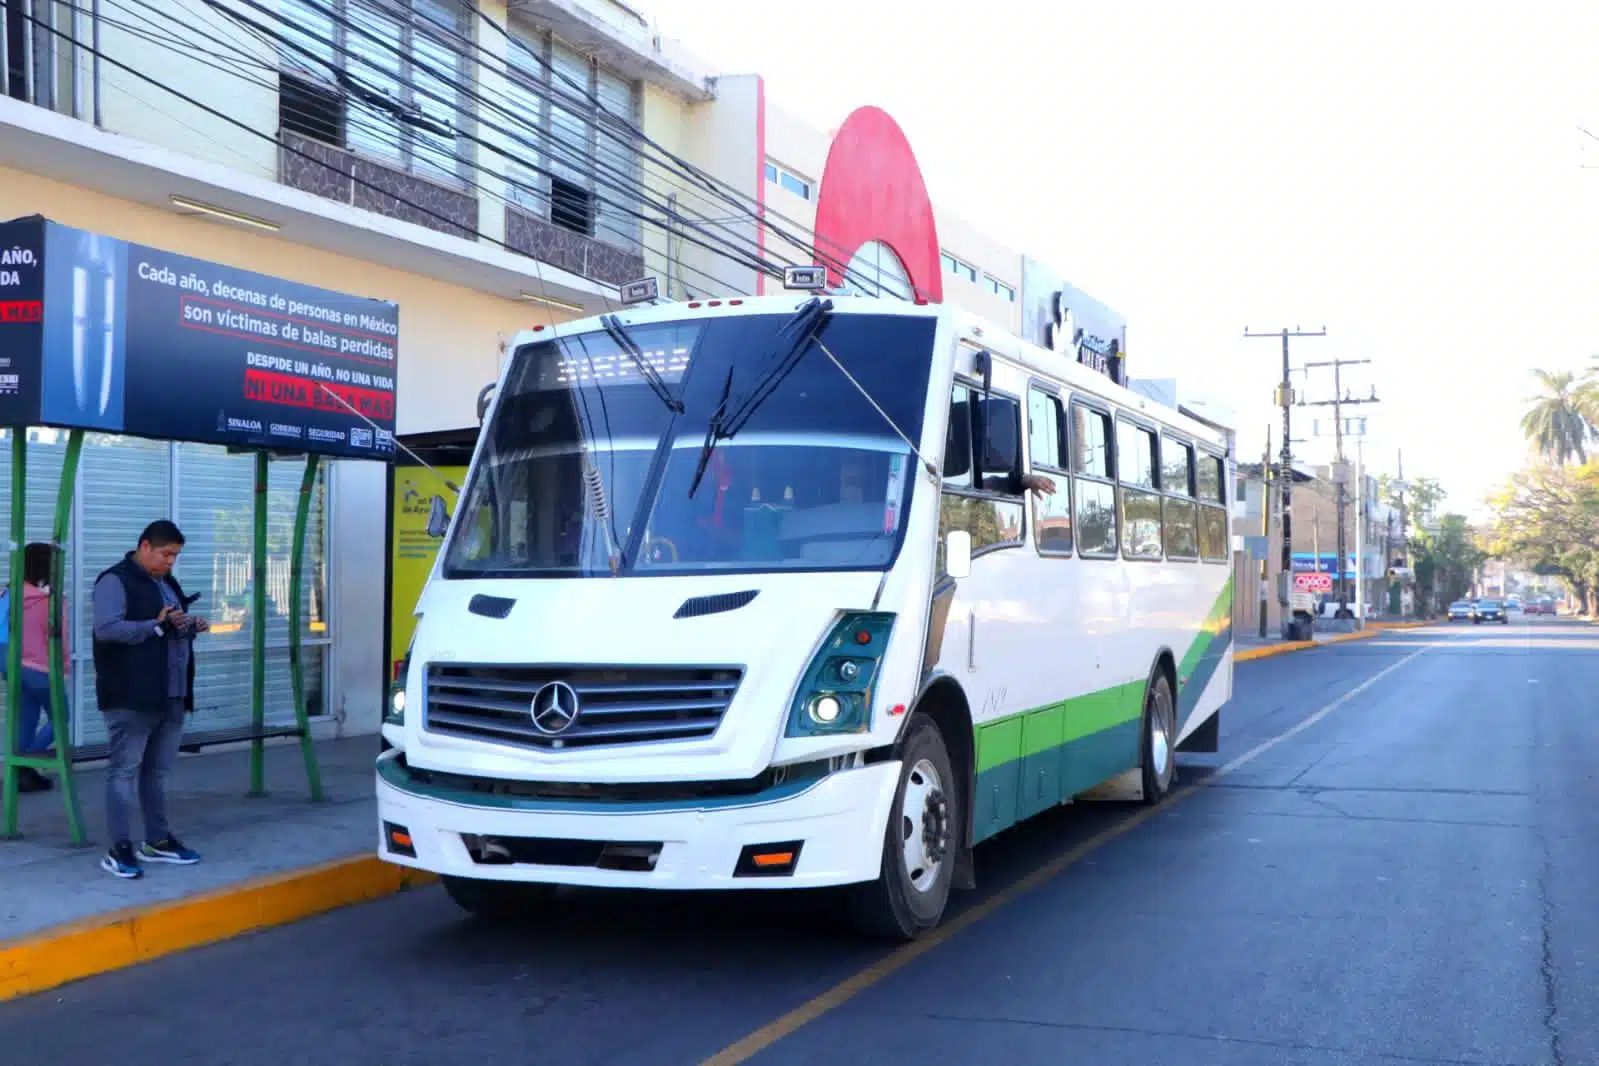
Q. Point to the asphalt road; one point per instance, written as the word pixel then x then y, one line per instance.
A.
pixel 1392 860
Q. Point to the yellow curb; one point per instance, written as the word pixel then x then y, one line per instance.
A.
pixel 1250 654
pixel 107 942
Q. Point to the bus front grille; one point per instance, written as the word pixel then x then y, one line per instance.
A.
pixel 553 708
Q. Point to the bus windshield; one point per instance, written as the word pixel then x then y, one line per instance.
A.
pixel 601 459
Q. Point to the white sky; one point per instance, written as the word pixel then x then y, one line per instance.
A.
pixel 1407 174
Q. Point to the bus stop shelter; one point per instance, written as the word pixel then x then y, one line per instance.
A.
pixel 100 335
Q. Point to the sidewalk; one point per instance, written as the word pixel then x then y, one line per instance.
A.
pixel 266 860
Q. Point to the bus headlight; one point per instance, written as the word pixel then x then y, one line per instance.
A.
pixel 826 709
pixel 835 694
pixel 394 713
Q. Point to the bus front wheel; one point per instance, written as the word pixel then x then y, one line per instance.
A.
pixel 497 901
pixel 919 846
pixel 1160 739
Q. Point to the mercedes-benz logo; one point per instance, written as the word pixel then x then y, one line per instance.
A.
pixel 554 708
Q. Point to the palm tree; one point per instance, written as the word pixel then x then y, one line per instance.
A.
pixel 1555 422
pixel 1588 399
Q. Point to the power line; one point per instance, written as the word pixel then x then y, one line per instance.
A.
pixel 575 158
pixel 351 120
pixel 574 103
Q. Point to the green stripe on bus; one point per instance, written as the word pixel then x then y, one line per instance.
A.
pixel 1043 728
pixel 1037 758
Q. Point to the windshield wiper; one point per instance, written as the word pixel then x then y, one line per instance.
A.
pixel 805 325
pixel 712 432
pixel 794 337
pixel 651 376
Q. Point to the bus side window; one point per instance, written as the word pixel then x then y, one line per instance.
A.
pixel 1181 517
pixel 1139 491
pixel 1214 543
pixel 1093 465
pixel 1046 439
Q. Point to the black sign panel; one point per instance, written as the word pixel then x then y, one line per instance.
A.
pixel 150 343
pixel 228 356
pixel 21 319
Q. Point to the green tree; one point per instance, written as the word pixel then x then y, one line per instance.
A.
pixel 1420 497
pixel 1560 420
pixel 1548 519
pixel 1447 559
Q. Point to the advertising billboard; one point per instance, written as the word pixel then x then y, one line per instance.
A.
pixel 1059 316
pixel 102 334
pixel 413 549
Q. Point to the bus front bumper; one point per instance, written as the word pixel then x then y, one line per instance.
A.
pixel 835 825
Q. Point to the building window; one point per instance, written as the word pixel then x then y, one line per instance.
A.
pixel 958 268
pixel 575 164
pixel 876 270
pixel 784 178
pixel 407 58
pixel 999 288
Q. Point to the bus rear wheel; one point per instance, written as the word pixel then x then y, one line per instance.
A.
pixel 1159 740
pixel 919 846
pixel 497 901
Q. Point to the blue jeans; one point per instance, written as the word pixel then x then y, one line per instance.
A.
pixel 34 732
pixel 144 748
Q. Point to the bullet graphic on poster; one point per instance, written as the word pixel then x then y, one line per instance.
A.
pixel 94 308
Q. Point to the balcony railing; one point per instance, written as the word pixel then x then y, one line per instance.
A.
pixel 50 52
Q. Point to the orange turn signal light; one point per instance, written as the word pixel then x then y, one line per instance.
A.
pixel 774 858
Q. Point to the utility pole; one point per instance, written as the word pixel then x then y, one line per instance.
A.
pixel 1404 529
pixel 1339 401
pixel 1360 533
pixel 1285 400
pixel 1265 529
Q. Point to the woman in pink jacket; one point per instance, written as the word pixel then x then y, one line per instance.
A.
pixel 35 733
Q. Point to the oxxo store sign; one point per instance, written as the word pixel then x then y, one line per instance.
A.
pixel 101 334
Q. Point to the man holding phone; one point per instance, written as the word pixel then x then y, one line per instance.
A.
pixel 144 678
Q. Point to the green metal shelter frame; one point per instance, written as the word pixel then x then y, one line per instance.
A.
pixel 257 733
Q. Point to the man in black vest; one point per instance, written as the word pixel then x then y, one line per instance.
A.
pixel 144 677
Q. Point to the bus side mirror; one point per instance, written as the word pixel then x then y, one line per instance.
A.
pixel 438 517
pixel 483 398
pixel 958 554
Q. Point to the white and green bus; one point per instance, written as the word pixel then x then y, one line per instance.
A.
pixel 796 591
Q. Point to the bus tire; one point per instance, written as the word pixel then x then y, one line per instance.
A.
pixel 919 844
pixel 496 901
pixel 1159 748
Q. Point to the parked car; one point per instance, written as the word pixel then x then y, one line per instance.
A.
pixel 1490 611
pixel 1460 611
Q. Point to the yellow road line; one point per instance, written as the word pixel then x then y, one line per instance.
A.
pixel 107 942
pixel 843 992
